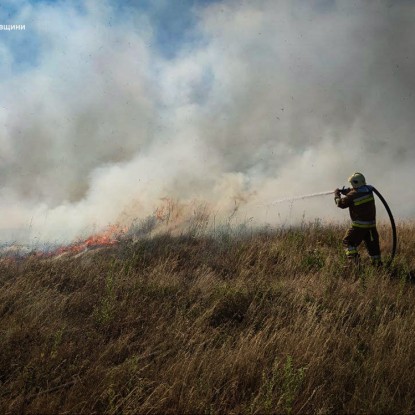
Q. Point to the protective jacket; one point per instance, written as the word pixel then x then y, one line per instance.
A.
pixel 361 204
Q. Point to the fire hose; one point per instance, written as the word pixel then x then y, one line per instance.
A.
pixel 393 226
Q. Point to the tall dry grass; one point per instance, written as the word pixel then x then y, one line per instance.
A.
pixel 253 323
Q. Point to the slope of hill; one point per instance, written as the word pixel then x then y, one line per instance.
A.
pixel 260 322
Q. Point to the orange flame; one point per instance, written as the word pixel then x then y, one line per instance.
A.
pixel 110 236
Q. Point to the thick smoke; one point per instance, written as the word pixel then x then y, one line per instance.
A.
pixel 271 99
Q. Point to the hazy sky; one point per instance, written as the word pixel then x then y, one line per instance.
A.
pixel 106 107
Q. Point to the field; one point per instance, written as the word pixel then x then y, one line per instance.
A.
pixel 252 322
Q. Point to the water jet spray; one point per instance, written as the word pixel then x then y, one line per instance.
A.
pixel 292 199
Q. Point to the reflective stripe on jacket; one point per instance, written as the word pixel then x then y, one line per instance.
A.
pixel 361 204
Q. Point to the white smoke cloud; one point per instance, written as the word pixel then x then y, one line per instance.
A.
pixel 277 98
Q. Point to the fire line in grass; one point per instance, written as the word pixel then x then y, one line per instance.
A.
pixel 110 236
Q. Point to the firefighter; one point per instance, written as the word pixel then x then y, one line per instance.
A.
pixel 361 203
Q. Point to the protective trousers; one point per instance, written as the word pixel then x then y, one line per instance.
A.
pixel 353 238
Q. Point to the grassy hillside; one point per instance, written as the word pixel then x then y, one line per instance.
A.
pixel 263 322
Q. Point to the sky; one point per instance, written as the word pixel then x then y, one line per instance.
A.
pixel 107 108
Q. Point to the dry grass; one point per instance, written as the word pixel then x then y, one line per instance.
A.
pixel 268 322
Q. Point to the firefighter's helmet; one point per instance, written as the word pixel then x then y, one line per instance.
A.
pixel 357 179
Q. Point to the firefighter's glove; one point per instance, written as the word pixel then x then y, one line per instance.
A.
pixel 337 193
